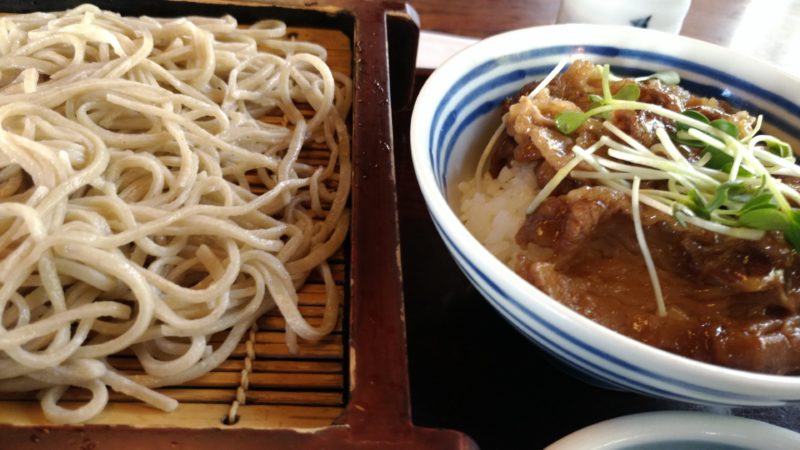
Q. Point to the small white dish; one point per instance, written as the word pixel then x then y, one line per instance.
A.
pixel 679 430
pixel 663 15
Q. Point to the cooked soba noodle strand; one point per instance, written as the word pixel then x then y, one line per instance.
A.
pixel 145 205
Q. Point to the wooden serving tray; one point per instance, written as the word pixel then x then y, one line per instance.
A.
pixel 350 390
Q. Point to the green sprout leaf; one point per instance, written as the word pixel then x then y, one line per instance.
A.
pixel 696 115
pixel 764 219
pixel 743 173
pixel 697 204
pixel 679 213
pixel 740 207
pixel 630 92
pixel 719 159
pixel 792 231
pixel 724 191
pixel 700 208
pixel 569 121
pixel 598 99
pixel 668 77
pixel 682 136
pixel 726 127
pixel 792 236
pixel 759 201
pixel 779 148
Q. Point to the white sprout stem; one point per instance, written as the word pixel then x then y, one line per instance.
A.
pixel 781 164
pixel 669 196
pixel 756 128
pixel 753 145
pixel 740 150
pixel 703 160
pixel 737 232
pixel 558 178
pixel 666 166
pixel 662 201
pixel 785 172
pixel 605 72
pixel 789 192
pixel 592 175
pixel 708 135
pixel 488 149
pixel 708 140
pixel 633 161
pixel 625 137
pixel 758 169
pixel 648 258
pixel 552 184
pixel 664 206
pixel 592 161
pixel 486 152
pixel 661 111
pixel 670 149
pixel 713 173
pixel 550 76
pixel 639 170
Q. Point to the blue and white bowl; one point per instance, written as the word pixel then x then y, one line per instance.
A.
pixel 455 113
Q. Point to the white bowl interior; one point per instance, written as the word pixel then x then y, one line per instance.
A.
pixel 455 114
pixel 679 430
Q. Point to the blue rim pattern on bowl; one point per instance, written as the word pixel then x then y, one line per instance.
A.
pixel 474 97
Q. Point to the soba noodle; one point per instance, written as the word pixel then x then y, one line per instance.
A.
pixel 145 206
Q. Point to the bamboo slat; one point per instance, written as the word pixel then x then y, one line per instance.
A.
pixel 302 390
pixel 188 415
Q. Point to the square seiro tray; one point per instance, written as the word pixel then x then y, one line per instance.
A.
pixel 349 390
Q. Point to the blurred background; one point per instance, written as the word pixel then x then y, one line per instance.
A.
pixel 768 29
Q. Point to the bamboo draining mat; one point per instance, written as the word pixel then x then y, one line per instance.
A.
pixel 304 390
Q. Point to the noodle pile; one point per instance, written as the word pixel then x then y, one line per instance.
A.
pixel 127 217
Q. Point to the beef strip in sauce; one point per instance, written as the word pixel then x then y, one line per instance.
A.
pixel 729 301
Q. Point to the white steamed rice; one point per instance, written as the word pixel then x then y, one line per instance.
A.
pixel 494 213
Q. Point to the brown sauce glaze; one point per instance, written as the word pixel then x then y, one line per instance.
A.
pixel 601 274
pixel 729 301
